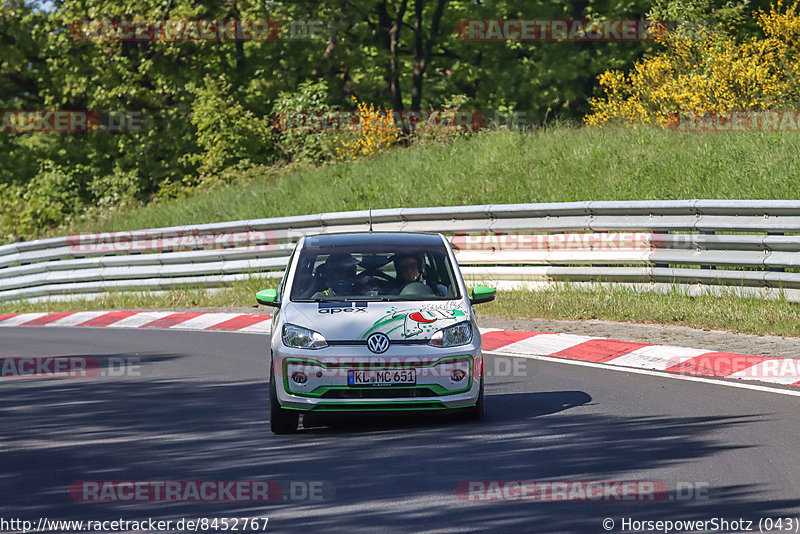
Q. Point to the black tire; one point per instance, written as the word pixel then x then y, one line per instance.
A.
pixel 477 412
pixel 281 421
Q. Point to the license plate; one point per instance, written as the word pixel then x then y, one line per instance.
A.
pixel 382 378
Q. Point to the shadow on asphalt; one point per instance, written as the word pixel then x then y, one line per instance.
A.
pixel 541 404
pixel 379 475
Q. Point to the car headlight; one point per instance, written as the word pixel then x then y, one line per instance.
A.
pixel 452 336
pixel 302 338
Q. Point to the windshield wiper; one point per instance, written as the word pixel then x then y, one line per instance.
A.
pixel 385 298
pixel 320 299
pixel 370 299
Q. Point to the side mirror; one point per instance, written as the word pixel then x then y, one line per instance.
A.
pixel 482 294
pixel 268 297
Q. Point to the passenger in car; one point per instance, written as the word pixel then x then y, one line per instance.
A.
pixel 409 272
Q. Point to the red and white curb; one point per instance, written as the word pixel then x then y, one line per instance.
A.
pixel 222 322
pixel 643 356
pixel 590 350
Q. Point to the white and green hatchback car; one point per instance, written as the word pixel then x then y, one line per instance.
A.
pixel 373 322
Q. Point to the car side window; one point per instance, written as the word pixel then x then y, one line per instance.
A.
pixel 282 285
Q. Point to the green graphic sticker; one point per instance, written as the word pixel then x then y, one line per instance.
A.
pixel 415 322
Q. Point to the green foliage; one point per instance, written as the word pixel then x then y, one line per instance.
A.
pixel 226 132
pixel 431 133
pixel 544 79
pixel 707 71
pixel 116 190
pixel 693 16
pixel 304 142
pixel 48 199
pixel 556 164
pixel 209 105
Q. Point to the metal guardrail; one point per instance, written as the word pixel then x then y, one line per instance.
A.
pixel 751 246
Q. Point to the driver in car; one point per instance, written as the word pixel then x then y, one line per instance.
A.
pixel 338 275
pixel 408 272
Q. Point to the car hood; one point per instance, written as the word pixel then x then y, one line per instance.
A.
pixel 347 321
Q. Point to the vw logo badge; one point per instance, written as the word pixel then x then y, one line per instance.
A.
pixel 378 343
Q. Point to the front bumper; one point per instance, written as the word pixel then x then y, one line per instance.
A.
pixel 317 382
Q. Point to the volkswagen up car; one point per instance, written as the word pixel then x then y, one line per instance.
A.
pixel 373 322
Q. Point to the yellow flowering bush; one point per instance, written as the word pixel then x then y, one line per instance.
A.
pixel 707 70
pixel 375 131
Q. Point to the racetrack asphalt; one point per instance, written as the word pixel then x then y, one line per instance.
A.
pixel 193 406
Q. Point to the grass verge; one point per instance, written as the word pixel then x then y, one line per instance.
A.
pixel 732 313
pixel 550 165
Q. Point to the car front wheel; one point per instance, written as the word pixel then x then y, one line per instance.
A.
pixel 477 412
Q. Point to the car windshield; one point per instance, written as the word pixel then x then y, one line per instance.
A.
pixel 374 272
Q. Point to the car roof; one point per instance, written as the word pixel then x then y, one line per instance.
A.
pixel 373 238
